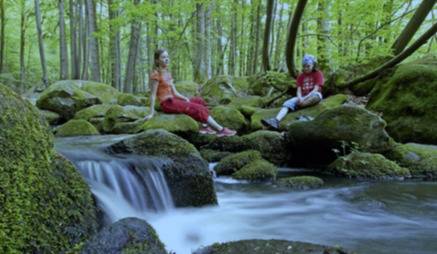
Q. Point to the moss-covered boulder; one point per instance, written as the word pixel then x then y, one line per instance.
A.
pixel 229 117
pixel 336 131
pixel 255 246
pixel 125 99
pixel 301 182
pixel 328 103
pixel 180 124
pixel 45 206
pixel 359 165
pixel 124 119
pixel 234 162
pixel 94 114
pixel 128 235
pixel 106 93
pixel 248 101
pixel 51 117
pixel 257 170
pixel 408 103
pixel 421 160
pixel 187 87
pixel 261 83
pixel 66 98
pixel 187 174
pixel 211 155
pixel 218 90
pixel 75 127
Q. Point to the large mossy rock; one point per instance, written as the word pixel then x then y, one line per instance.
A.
pixel 257 170
pixel 408 102
pixel 255 246
pixel 187 174
pixel 180 124
pixel 66 98
pixel 336 131
pixel 124 119
pixel 76 127
pixel 94 114
pixel 421 160
pixel 51 117
pixel 229 117
pixel 45 206
pixel 125 99
pixel 359 165
pixel 106 93
pixel 234 162
pixel 313 111
pixel 218 90
pixel 300 182
pixel 129 235
pixel 261 83
pixel 187 87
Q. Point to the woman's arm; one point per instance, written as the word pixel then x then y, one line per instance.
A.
pixel 154 89
pixel 177 94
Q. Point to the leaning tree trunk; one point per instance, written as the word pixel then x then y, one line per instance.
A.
pixel 42 56
pixel 413 25
pixel 133 54
pixel 2 34
pixel 267 31
pixel 92 42
pixel 63 61
pixel 397 59
pixel 292 34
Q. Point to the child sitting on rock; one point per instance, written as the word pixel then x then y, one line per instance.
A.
pixel 172 102
pixel 309 88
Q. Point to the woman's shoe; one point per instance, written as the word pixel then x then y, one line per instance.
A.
pixel 207 130
pixel 225 132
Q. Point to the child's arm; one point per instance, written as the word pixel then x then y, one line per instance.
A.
pixel 154 89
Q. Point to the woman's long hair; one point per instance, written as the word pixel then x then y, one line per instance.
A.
pixel 156 56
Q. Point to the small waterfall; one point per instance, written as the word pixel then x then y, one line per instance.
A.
pixel 121 184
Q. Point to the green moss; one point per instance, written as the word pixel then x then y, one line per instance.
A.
pixel 367 166
pixel 407 104
pixel 261 83
pixel 229 117
pixel 301 182
pixel 126 119
pixel 41 201
pixel 124 99
pixel 258 170
pixel 76 128
pixel 235 162
pixel 51 117
pixel 421 160
pixel 241 83
pixel 270 144
pixel 218 90
pixel 173 123
pixel 106 93
pixel 211 155
pixel 187 87
pixel 94 111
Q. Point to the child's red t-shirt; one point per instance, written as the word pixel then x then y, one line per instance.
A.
pixel 307 81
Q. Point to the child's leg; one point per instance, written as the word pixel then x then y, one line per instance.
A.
pixel 311 100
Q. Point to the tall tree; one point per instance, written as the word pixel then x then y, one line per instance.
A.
pixel 200 71
pixel 94 63
pixel 2 34
pixel 42 56
pixel 413 25
pixel 22 43
pixel 292 34
pixel 133 53
pixel 257 29
pixel 233 39
pixel 323 32
pixel 74 51
pixel 267 31
pixel 114 45
pixel 63 61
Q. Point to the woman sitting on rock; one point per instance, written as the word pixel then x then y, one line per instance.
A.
pixel 172 102
pixel 309 88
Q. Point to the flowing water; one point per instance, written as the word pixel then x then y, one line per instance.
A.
pixel 385 217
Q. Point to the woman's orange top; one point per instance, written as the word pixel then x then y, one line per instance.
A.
pixel 164 88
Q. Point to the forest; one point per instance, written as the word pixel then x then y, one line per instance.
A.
pixel 113 41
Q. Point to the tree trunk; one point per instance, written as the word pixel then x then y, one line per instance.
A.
pixel 255 52
pixel 42 56
pixel 396 59
pixel 323 31
pixel 2 34
pixel 63 61
pixel 233 48
pixel 220 51
pixel 84 34
pixel 22 44
pixel 133 54
pixel 74 53
pixel 114 46
pixel 277 51
pixel 292 34
pixel 92 42
pixel 242 44
pixel 267 28
pixel 413 25
pixel 251 43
